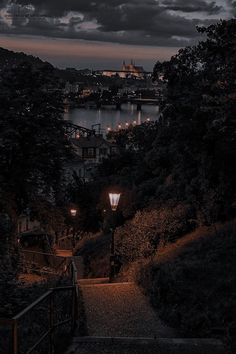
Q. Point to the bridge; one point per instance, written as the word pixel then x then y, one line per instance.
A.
pixel 140 101
pixel 118 101
pixel 75 131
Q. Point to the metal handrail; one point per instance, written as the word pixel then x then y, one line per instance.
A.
pixel 52 325
pixel 42 253
pixel 31 306
pixel 49 256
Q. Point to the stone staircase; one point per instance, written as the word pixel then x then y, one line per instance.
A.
pixel 120 320
pixel 100 345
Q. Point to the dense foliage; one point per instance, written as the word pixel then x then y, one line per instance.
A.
pixel 32 138
pixel 199 122
pixel 192 284
pixel 33 148
pixel 189 156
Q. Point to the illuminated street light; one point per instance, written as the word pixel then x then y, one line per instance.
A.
pixel 119 126
pixel 114 201
pixel 73 212
pixel 134 122
pixel 126 124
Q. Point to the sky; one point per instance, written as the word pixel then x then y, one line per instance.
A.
pixel 101 34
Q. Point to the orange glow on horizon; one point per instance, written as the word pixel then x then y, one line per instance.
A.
pixel 55 50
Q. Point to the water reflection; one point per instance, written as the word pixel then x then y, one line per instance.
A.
pixel 112 118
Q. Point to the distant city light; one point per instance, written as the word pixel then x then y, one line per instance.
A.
pixel 77 136
pixel 108 129
pixel 148 119
pixel 134 122
pixel 127 124
pixel 119 126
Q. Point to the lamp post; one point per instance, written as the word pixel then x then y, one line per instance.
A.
pixel 114 201
pixel 73 213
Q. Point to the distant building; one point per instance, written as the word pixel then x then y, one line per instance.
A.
pixel 25 223
pixel 71 88
pixel 127 71
pixel 134 70
pixel 94 148
pixel 88 153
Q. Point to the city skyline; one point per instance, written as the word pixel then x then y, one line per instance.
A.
pixel 101 34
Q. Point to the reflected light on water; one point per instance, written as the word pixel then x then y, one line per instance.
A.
pixel 112 118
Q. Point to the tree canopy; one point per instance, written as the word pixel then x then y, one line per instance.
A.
pixel 32 139
pixel 189 154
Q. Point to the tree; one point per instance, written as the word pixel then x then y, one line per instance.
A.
pixel 200 119
pixel 32 138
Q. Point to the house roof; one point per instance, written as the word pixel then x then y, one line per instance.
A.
pixel 93 141
pixel 74 161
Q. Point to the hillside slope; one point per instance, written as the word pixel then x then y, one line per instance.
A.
pixel 193 282
pixel 9 58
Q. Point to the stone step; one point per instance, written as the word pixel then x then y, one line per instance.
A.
pixel 63 253
pixel 93 281
pixel 133 345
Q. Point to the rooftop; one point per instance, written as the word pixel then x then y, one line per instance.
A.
pixel 92 141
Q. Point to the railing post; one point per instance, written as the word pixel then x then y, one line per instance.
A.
pixel 74 296
pixel 15 337
pixel 73 311
pixel 51 323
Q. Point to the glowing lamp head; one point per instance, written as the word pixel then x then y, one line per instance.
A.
pixel 114 200
pixel 73 212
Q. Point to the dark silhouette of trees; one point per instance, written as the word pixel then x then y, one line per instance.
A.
pixel 33 142
pixel 33 145
pixel 189 155
pixel 200 121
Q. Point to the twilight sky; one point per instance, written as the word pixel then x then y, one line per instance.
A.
pixel 101 33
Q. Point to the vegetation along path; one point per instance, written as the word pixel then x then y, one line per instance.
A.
pixel 120 320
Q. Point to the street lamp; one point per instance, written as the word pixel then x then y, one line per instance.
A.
pixel 114 201
pixel 73 213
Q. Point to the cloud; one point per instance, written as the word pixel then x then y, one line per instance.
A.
pixel 232 5
pixel 193 6
pixel 150 22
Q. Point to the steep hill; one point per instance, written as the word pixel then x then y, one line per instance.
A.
pixel 9 58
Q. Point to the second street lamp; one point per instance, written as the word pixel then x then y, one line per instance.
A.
pixel 114 201
pixel 73 213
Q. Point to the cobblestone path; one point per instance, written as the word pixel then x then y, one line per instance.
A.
pixel 121 321
pixel 120 310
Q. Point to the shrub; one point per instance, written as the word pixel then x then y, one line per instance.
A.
pixel 140 237
pixel 194 288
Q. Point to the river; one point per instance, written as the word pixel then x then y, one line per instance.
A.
pixel 112 119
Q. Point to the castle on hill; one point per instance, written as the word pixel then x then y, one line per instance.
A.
pixel 127 70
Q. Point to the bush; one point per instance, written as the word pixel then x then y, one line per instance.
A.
pixel 140 237
pixel 194 288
